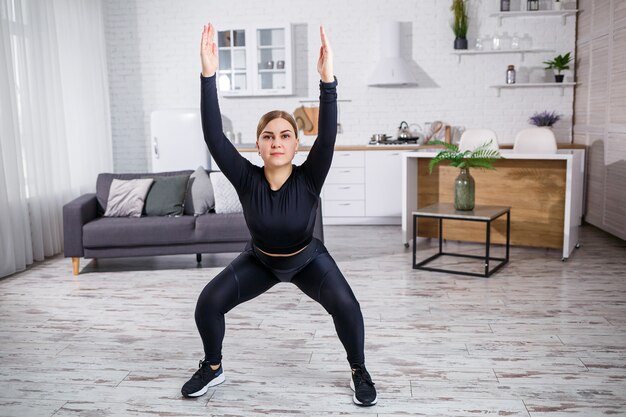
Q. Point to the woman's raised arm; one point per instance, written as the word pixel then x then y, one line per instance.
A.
pixel 321 155
pixel 234 166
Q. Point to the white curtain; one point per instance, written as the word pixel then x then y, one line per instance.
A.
pixel 54 120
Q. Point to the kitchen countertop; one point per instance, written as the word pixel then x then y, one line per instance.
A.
pixel 251 147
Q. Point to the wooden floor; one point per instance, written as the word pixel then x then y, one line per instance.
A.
pixel 539 338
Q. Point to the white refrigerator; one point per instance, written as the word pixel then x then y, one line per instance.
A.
pixel 177 140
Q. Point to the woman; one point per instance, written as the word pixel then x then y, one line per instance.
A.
pixel 279 204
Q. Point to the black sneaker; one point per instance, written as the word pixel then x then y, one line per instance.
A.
pixel 363 387
pixel 204 378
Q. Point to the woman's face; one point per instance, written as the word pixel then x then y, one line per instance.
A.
pixel 277 143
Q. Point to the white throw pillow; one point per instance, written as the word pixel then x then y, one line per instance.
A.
pixel 127 197
pixel 226 198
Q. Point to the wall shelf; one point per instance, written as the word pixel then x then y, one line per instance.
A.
pixel 562 85
pixel 522 52
pixel 558 13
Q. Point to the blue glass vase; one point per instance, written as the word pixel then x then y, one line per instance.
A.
pixel 464 188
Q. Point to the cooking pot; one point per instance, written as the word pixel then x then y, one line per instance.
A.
pixel 379 137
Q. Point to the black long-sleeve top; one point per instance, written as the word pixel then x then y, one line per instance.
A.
pixel 280 221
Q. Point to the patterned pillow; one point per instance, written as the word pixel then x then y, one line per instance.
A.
pixel 127 197
pixel 226 198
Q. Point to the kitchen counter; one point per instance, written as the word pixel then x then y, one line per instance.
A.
pixel 251 147
pixel 544 191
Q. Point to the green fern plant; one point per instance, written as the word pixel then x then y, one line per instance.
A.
pixel 482 157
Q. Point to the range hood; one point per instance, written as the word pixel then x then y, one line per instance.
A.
pixel 391 70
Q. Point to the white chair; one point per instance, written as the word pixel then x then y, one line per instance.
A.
pixel 535 140
pixel 473 138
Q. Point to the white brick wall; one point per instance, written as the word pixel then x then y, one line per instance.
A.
pixel 153 60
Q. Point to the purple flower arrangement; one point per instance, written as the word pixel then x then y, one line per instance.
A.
pixel 544 118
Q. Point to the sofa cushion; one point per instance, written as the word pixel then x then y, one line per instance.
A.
pixel 226 227
pixel 166 196
pixel 103 183
pixel 142 231
pixel 199 199
pixel 226 198
pixel 127 197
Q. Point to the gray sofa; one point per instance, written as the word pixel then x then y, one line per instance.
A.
pixel 89 235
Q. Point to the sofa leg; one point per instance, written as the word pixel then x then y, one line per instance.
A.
pixel 76 265
pixel 198 257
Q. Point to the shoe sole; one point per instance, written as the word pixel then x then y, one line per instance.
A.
pixel 357 402
pixel 215 381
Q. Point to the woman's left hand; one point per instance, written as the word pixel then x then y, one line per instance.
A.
pixel 325 62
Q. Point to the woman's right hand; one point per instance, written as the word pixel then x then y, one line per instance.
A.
pixel 208 51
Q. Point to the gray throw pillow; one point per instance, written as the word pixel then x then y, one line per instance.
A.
pixel 200 198
pixel 126 197
pixel 226 198
pixel 166 196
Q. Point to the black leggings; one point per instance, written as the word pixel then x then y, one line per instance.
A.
pixel 250 275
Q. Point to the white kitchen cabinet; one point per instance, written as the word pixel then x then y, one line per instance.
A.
pixel 343 196
pixel 255 61
pixel 383 184
pixel 342 208
pixel 345 175
pixel 363 187
pixel 344 191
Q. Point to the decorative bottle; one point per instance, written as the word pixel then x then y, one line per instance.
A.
pixel 510 74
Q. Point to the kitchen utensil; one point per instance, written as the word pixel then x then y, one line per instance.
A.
pixel 403 131
pixel 436 127
pixel 302 120
pixel 379 137
pixel 313 115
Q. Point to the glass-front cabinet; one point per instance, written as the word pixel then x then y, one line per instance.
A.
pixel 255 61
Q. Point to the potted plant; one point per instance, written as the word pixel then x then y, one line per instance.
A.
pixel 559 63
pixel 544 118
pixel 464 185
pixel 460 23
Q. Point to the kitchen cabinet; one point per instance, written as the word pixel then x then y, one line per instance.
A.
pixel 383 184
pixel 343 194
pixel 255 61
pixel 364 187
